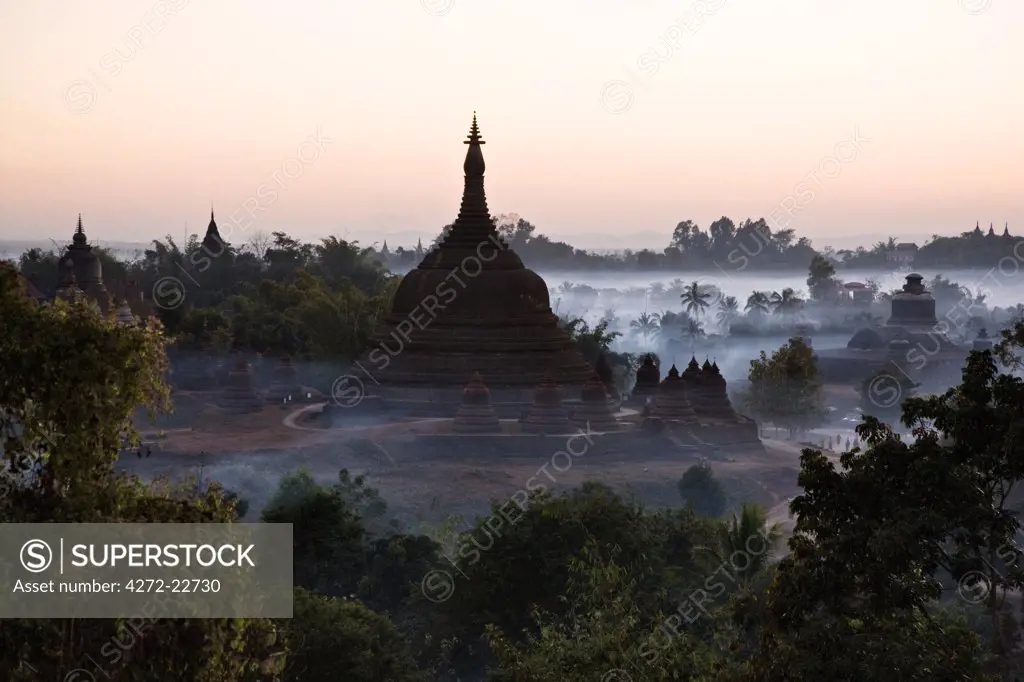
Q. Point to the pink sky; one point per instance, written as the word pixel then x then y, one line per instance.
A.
pixel 752 97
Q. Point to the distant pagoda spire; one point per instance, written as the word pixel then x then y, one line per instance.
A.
pixel 212 241
pixel 1006 229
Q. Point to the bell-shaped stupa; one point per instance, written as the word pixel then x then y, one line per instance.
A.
pixel 238 396
pixel 648 378
pixel 284 382
pixel 547 414
pixel 470 306
pixel 88 268
pixel 595 408
pixel 475 414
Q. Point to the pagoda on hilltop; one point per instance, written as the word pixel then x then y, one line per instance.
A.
pixel 470 306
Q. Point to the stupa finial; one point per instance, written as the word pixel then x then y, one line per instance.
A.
pixel 79 238
pixel 474 133
pixel 474 165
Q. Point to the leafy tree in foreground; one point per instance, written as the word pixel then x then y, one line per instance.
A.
pixel 507 571
pixel 606 636
pixel 901 524
pixel 332 639
pixel 328 534
pixel 70 382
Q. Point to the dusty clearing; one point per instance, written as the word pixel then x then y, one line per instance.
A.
pixel 250 453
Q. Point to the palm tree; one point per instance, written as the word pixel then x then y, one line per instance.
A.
pixel 728 311
pixel 695 299
pixel 646 325
pixel 786 303
pixel 693 330
pixel 747 533
pixel 669 322
pixel 758 304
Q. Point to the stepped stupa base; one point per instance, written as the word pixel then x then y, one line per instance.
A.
pixel 442 402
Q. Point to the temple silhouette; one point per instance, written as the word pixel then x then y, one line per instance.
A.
pixel 912 338
pixel 471 306
pixel 80 272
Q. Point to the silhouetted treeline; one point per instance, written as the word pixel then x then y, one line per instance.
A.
pixel 725 245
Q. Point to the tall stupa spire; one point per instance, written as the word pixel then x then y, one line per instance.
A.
pixel 474 226
pixel 474 201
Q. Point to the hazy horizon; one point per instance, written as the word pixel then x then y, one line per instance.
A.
pixel 600 120
pixel 595 242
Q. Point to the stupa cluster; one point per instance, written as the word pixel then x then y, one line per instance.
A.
pixel 548 415
pixel 694 405
pixel 695 402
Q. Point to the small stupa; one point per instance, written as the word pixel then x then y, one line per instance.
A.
pixel 284 382
pixel 672 402
pixel 124 313
pixel 595 409
pixel 238 396
pixel 475 414
pixel 547 414
pixel 982 341
pixel 648 378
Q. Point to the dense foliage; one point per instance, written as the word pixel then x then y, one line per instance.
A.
pixel 786 389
